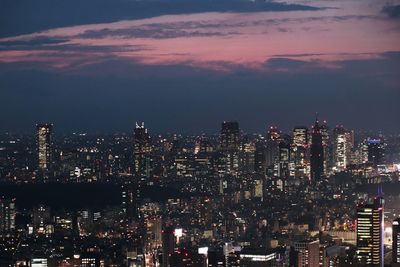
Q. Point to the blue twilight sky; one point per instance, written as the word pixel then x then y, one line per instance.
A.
pixel 187 65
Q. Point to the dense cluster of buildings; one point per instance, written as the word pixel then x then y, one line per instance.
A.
pixel 274 199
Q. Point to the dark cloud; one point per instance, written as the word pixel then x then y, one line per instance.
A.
pixel 292 65
pixel 26 16
pixel 392 11
pixel 155 33
pixel 38 41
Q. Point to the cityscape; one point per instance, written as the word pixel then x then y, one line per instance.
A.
pixel 317 196
pixel 199 133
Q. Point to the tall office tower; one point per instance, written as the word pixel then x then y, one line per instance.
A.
pixel 247 157
pixel 300 149
pixel 142 152
pixel 44 141
pixel 308 253
pixel 370 233
pixel 326 143
pixel 260 158
pixel 343 144
pixel 376 151
pixel 168 245
pixel 272 149
pixel 316 153
pixel 129 198
pixel 229 146
pixel 230 135
pixel 7 215
pixel 396 243
pixel 300 136
pixel 282 165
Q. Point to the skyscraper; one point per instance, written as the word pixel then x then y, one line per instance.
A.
pixel 229 146
pixel 230 135
pixel 342 147
pixel 327 146
pixel 142 152
pixel 376 151
pixel 272 145
pixel 44 141
pixel 300 149
pixel 396 243
pixel 316 153
pixel 370 233
pixel 7 215
pixel 168 245
pixel 308 253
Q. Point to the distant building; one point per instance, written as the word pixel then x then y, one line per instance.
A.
pixel 327 147
pixel 44 134
pixel 370 233
pixel 168 245
pixel 316 153
pixel 7 215
pixel 396 243
pixel 376 151
pixel 142 153
pixel 229 147
pixel 272 146
pixel 308 253
pixel 300 150
pixel 342 147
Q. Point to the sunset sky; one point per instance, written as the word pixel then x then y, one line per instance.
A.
pixel 187 65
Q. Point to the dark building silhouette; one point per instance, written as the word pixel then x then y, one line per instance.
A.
pixel 316 153
pixel 168 245
pixel 229 147
pixel 142 152
pixel 376 151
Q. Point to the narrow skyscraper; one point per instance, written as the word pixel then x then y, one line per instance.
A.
pixel 44 141
pixel 142 152
pixel 316 153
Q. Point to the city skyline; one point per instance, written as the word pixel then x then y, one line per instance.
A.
pixel 199 133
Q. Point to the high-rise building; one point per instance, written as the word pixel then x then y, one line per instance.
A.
pixel 326 144
pixel 142 152
pixel 230 146
pixel 247 157
pixel 130 195
pixel 308 253
pixel 230 135
pixel 44 142
pixel 272 145
pixel 396 242
pixel 376 151
pixel 168 245
pixel 300 149
pixel 370 233
pixel 7 215
pixel 300 136
pixel 342 147
pixel 316 153
pixel 260 158
pixel 282 169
